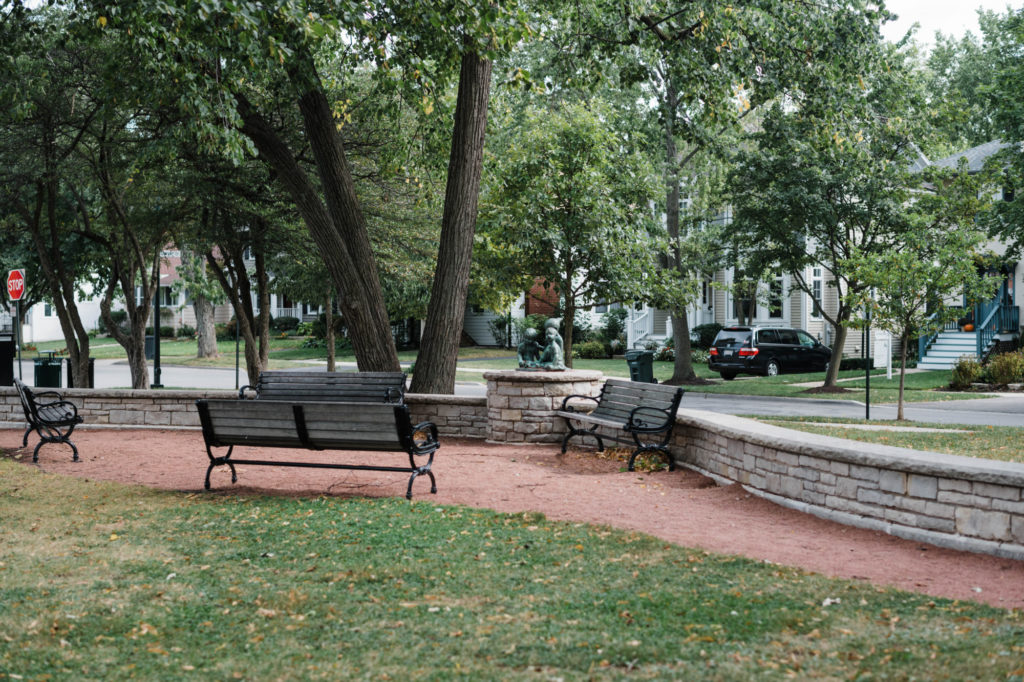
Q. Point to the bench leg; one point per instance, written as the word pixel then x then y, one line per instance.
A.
pixel 573 431
pixel 24 440
pixel 215 461
pixel 54 437
pixel 428 472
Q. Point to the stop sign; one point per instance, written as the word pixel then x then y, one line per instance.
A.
pixel 16 284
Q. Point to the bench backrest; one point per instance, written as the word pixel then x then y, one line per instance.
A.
pixel 312 386
pixel 28 402
pixel 317 426
pixel 619 397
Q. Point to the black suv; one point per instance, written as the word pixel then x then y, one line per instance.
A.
pixel 766 351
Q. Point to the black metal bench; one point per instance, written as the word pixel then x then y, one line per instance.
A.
pixel 316 426
pixel 344 387
pixel 49 415
pixel 634 408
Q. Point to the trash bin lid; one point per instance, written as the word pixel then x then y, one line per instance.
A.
pixel 633 354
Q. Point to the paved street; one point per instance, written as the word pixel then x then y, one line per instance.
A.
pixel 1005 410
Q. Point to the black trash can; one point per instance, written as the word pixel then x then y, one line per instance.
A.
pixel 48 371
pixel 641 365
pixel 92 373
pixel 150 347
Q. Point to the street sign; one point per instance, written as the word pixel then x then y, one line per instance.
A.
pixel 16 284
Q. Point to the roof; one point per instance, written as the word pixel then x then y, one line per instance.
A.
pixel 976 156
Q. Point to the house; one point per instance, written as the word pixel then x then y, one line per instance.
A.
pixel 996 322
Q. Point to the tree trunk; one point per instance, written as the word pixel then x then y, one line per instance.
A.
pixel 569 320
pixel 329 334
pixel 439 348
pixel 837 355
pixel 363 309
pixel 206 331
pixel 682 369
pixel 904 341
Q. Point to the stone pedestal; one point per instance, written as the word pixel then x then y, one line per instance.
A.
pixel 521 405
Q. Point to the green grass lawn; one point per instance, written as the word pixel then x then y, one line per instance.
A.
pixel 102 581
pixel 990 442
pixel 288 352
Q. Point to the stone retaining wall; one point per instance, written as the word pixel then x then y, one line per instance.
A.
pixel 963 503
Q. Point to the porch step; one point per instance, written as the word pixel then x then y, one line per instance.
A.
pixel 948 348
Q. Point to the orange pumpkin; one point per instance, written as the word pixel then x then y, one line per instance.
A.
pixel 968 327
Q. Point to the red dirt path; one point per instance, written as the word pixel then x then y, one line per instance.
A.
pixel 682 507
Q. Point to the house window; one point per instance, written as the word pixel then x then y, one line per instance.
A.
pixel 817 286
pixel 165 296
pixel 47 310
pixel 744 305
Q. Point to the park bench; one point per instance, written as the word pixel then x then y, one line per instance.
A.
pixel 313 386
pixel 50 416
pixel 643 413
pixel 316 426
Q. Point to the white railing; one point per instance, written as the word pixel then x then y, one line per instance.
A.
pixel 641 324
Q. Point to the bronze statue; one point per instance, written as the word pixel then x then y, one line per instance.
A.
pixel 550 356
pixel 529 349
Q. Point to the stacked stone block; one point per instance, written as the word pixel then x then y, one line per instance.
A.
pixel 521 404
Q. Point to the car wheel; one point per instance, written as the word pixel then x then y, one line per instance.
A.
pixel 772 368
pixel 728 376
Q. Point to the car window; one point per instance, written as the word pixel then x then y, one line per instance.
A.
pixel 788 336
pixel 767 336
pixel 732 337
pixel 806 339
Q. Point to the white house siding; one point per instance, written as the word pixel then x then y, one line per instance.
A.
pixel 475 325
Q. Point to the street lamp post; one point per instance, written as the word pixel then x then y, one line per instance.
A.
pixel 156 340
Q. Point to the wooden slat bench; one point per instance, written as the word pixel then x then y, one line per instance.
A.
pixel 634 408
pixel 316 426
pixel 50 416
pixel 345 387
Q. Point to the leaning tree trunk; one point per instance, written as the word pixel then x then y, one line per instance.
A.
pixel 362 307
pixel 439 348
pixel 206 331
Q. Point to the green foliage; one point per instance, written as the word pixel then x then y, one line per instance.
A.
pixel 120 318
pixel 501 330
pixel 186 331
pixel 319 328
pixel 966 371
pixel 567 200
pixel 1006 368
pixel 285 323
pixel 705 334
pixel 856 363
pixel 590 350
pixel 521 324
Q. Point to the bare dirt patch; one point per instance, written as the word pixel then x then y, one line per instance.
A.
pixel 681 507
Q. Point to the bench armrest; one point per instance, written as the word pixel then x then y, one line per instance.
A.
pixel 428 444
pixel 569 408
pixel 46 394
pixel 648 420
pixel 247 387
pixel 69 408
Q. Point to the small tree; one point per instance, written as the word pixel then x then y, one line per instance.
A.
pixel 934 260
pixel 570 204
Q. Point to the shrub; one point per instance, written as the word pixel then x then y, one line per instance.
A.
pixel 1006 368
pixel 120 318
pixel 666 353
pixel 699 356
pixel 304 328
pixel 186 332
pixel 285 323
pixel 856 363
pixel 319 328
pixel 966 371
pixel 500 328
pixel 703 335
pixel 613 324
pixel 589 350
